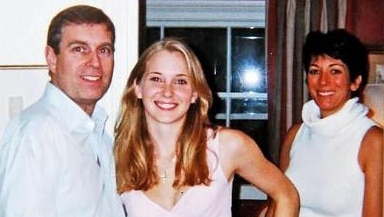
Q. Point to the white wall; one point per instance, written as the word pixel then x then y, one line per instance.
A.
pixel 24 27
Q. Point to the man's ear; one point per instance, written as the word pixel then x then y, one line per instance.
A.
pixel 137 90
pixel 51 59
pixel 356 83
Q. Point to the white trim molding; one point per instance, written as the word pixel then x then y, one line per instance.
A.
pixel 210 13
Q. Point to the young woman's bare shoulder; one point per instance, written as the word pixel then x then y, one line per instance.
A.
pixel 232 136
pixel 235 141
pixel 233 144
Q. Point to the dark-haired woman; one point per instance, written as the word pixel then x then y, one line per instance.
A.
pixel 334 157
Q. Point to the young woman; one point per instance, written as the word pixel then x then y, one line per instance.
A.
pixel 170 160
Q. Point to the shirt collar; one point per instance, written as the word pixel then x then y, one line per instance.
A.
pixel 335 123
pixel 70 114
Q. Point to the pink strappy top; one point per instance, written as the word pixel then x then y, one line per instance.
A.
pixel 199 201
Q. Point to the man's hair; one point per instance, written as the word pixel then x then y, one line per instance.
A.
pixel 79 14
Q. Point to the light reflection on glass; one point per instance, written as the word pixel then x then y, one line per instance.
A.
pixel 248 60
pixel 251 77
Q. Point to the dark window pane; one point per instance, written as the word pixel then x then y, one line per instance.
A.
pixel 249 106
pixel 152 35
pixel 210 46
pixel 248 60
pixel 220 105
pixel 256 129
pixel 220 122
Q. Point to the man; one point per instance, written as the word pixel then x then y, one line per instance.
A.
pixel 55 157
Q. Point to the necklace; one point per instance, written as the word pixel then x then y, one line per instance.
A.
pixel 164 176
pixel 165 172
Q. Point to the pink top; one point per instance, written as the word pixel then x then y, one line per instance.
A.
pixel 199 201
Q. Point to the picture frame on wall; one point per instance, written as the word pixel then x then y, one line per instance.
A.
pixel 374 91
pixel 376 66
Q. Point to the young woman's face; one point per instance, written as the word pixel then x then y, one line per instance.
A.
pixel 329 84
pixel 166 88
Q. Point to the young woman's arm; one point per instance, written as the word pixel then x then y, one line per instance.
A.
pixel 240 155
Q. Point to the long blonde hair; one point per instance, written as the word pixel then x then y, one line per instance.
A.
pixel 134 150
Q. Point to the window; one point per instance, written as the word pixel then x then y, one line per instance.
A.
pixel 229 39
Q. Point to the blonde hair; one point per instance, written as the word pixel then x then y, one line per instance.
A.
pixel 134 150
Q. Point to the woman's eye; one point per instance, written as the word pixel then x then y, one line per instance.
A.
pixel 155 79
pixel 335 71
pixel 181 81
pixel 313 71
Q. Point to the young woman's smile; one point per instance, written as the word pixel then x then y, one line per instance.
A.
pixel 166 88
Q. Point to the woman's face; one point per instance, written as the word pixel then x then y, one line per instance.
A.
pixel 329 84
pixel 166 88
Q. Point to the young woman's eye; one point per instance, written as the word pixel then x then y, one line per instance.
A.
pixel 155 79
pixel 181 81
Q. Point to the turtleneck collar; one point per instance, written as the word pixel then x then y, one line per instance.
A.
pixel 335 123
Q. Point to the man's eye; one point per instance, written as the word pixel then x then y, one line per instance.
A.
pixel 79 49
pixel 106 50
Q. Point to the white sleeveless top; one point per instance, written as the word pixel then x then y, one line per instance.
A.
pixel 199 201
pixel 324 163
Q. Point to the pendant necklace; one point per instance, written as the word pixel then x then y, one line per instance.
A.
pixel 164 175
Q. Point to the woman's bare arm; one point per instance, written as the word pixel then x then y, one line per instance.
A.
pixel 371 162
pixel 240 155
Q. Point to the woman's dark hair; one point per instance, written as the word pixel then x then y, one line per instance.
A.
pixel 342 45
pixel 79 14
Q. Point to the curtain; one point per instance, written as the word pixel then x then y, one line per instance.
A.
pixel 288 22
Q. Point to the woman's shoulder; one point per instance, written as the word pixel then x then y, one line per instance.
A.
pixel 373 138
pixel 229 135
pixel 234 141
pixel 232 144
pixel 371 148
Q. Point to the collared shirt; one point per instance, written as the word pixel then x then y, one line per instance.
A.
pixel 56 161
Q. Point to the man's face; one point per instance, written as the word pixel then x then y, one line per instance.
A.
pixel 84 67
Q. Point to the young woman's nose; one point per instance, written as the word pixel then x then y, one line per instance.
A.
pixel 167 90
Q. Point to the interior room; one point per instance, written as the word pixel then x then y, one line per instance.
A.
pixel 250 51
